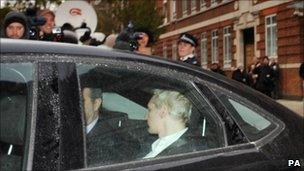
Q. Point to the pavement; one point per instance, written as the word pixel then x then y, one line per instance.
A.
pixel 296 106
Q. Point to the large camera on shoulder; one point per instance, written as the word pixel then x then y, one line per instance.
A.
pixel 127 39
pixel 34 22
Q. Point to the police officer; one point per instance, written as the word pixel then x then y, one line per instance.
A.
pixel 186 47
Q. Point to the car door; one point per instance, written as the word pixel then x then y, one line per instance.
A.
pixel 41 122
pixel 127 88
pixel 129 83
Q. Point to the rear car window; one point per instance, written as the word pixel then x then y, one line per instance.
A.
pixel 254 121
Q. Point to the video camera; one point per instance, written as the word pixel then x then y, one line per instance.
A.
pixel 34 21
pixel 127 39
pixel 86 38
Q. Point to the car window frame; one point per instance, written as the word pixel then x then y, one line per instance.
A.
pixel 279 126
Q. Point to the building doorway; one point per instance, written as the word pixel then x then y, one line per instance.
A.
pixel 248 35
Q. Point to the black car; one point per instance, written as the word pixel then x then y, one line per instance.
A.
pixel 44 125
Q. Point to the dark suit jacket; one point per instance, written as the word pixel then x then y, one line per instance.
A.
pixel 188 142
pixel 192 61
pixel 109 141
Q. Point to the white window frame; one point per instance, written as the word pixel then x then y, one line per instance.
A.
pixel 203 5
pixel 165 50
pixel 184 11
pixel 272 50
pixel 214 46
pixel 227 46
pixel 173 10
pixel 165 11
pixel 174 50
pixel 193 6
pixel 213 3
pixel 204 50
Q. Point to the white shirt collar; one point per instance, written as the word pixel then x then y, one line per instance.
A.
pixel 91 125
pixel 162 143
pixel 186 57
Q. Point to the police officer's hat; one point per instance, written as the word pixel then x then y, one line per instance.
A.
pixel 188 38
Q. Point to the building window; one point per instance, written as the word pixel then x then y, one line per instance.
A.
pixel 184 7
pixel 271 36
pixel 164 50
pixel 204 57
pixel 193 6
pixel 174 50
pixel 173 9
pixel 213 2
pixel 165 11
pixel 214 45
pixel 227 47
pixel 203 4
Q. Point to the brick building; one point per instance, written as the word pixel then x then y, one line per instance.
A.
pixel 233 32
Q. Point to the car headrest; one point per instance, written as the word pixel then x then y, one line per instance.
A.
pixel 12 119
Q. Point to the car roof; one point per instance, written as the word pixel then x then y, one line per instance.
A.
pixel 34 46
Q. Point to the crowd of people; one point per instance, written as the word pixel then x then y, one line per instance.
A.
pixel 263 75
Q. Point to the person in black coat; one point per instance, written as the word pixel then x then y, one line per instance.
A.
pixel 107 141
pixel 168 113
pixel 264 82
pixel 276 78
pixel 215 67
pixel 240 75
pixel 301 71
pixel 186 47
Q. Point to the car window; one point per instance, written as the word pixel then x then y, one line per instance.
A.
pixel 142 115
pixel 249 116
pixel 15 95
pixel 252 119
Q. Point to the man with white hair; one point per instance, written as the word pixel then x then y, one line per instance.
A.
pixel 168 113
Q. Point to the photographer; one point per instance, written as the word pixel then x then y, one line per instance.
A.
pixel 128 39
pixel 144 40
pixel 15 26
pixel 45 32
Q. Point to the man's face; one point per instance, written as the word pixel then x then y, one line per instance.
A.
pixel 15 30
pixel 48 26
pixel 153 118
pixel 143 42
pixel 214 66
pixel 90 106
pixel 265 61
pixel 185 49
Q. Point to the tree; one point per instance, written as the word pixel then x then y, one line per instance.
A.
pixel 144 15
pixel 3 12
pixel 113 15
pixel 43 3
pixel 107 13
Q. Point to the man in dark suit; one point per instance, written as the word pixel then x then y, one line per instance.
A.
pixel 106 140
pixel 264 81
pixel 168 113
